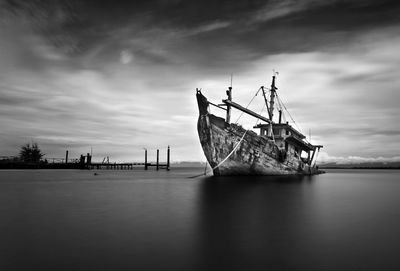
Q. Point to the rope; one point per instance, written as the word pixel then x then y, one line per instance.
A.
pixel 248 104
pixel 279 98
pixel 223 161
pixel 237 145
pixel 234 149
pixel 297 126
pixel 280 106
pixel 240 141
pixel 262 109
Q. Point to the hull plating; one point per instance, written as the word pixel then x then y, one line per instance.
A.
pixel 256 155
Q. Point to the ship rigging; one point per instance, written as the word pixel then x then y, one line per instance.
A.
pixel 232 150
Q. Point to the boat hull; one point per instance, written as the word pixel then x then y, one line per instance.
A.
pixel 254 155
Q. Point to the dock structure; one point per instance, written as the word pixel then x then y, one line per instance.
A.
pixel 84 162
pixel 114 166
pixel 130 165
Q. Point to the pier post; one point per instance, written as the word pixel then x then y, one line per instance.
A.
pixel 145 159
pixel 82 161
pixel 66 157
pixel 89 159
pixel 168 154
pixel 158 156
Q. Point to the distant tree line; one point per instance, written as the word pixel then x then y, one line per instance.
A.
pixel 30 156
pixel 30 153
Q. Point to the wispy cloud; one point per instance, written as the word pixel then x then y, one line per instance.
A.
pixel 208 27
pixel 119 84
pixel 277 9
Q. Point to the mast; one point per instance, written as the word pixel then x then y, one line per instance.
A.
pixel 272 98
pixel 228 108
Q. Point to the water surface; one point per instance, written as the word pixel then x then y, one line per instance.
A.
pixel 158 220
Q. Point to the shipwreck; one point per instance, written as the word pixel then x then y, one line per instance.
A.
pixel 230 149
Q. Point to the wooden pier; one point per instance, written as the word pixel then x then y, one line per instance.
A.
pixel 132 165
pixel 83 162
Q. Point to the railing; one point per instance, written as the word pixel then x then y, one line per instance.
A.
pixel 55 160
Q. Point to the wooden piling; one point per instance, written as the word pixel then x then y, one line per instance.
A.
pixel 145 159
pixel 168 154
pixel 87 163
pixel 66 157
pixel 158 156
pixel 88 159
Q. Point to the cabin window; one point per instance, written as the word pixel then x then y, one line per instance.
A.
pixel 263 132
pixel 287 132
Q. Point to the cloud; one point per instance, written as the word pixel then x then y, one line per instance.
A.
pixel 348 98
pixel 277 9
pixel 126 57
pixel 209 27
pixel 69 89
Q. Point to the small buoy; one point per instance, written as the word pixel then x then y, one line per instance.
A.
pixel 95 174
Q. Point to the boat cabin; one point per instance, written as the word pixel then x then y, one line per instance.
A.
pixel 288 138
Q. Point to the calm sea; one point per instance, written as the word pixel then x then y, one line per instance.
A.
pixel 138 220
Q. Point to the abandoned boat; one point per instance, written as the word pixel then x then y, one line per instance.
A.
pixel 230 149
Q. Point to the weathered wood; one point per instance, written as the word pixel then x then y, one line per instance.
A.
pixel 145 159
pixel 312 157
pixel 88 159
pixel 158 158
pixel 256 155
pixel 272 99
pixel 216 105
pixel 123 166
pixel 316 148
pixel 168 157
pixel 228 108
pixel 245 110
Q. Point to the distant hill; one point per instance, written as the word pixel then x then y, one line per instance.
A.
pixel 188 164
pixel 377 165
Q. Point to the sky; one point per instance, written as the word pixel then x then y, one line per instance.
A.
pixel 115 77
